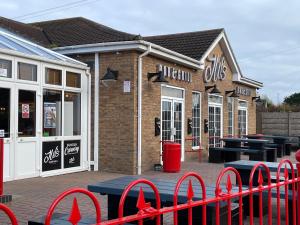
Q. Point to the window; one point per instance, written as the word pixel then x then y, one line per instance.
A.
pixel 196 116
pixel 172 92
pixel 72 118
pixel 242 118
pixel 5 68
pixel 230 106
pixel 53 76
pixel 5 112
pixel 27 71
pixel 73 80
pixel 52 113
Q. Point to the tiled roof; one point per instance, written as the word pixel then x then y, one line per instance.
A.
pixel 34 34
pixel 192 44
pixel 79 31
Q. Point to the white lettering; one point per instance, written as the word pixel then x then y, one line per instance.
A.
pixel 216 70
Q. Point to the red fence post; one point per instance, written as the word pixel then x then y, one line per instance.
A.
pixel 297 155
pixel 1 165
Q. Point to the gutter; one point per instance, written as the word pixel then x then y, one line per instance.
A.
pixel 140 81
pixel 139 45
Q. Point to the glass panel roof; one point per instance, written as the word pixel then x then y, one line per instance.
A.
pixel 16 43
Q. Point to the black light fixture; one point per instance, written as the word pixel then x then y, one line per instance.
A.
pixel 110 75
pixel 256 99
pixel 214 90
pixel 159 77
pixel 233 94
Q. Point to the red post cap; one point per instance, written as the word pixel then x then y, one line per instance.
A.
pixel 297 155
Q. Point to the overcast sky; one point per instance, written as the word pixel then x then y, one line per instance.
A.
pixel 264 34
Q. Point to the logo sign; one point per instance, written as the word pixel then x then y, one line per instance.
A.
pixel 3 72
pixel 71 154
pixel 175 74
pixel 25 111
pixel 216 70
pixel 243 91
pixel 51 156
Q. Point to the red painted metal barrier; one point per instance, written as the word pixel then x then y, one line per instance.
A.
pixel 9 213
pixel 285 189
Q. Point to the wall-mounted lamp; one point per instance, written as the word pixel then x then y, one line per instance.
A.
pixel 233 94
pixel 159 77
pixel 214 90
pixel 256 99
pixel 156 126
pixel 110 75
pixel 189 125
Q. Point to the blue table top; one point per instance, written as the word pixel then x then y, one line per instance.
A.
pixel 248 165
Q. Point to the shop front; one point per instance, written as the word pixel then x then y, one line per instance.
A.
pixel 43 108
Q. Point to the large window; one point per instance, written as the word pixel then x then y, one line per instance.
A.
pixel 4 112
pixel 53 76
pixel 196 118
pixel 242 118
pixel 52 109
pixel 72 118
pixel 230 106
pixel 27 71
pixel 5 68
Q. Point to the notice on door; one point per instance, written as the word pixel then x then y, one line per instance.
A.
pixel 25 111
pixel 2 133
pixel 51 156
pixel 3 72
pixel 71 154
pixel 49 115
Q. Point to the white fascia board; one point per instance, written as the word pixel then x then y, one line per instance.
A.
pixel 132 45
pixel 250 82
pixel 43 59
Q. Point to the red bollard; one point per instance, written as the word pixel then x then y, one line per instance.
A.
pixel 1 165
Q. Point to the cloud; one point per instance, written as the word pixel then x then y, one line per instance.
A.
pixel 264 34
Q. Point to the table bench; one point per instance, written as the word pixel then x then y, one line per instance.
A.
pixel 114 189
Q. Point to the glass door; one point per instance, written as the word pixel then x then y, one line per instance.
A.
pixel 26 151
pixel 172 123
pixel 6 127
pixel 214 125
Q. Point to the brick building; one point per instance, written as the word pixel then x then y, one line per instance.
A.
pixel 204 98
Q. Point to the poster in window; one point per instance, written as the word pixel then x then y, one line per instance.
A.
pixel 71 154
pixel 51 156
pixel 49 115
pixel 3 72
pixel 25 111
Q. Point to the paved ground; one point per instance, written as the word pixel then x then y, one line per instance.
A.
pixel 32 197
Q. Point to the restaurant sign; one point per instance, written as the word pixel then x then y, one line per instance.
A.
pixel 175 74
pixel 243 91
pixel 216 70
pixel 71 154
pixel 51 156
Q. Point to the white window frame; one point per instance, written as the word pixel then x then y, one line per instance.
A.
pixel 244 109
pixel 232 117
pixel 200 124
pixel 217 104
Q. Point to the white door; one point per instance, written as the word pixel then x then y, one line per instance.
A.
pixel 214 125
pixel 6 127
pixel 27 105
pixel 172 123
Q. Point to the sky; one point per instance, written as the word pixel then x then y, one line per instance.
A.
pixel 264 34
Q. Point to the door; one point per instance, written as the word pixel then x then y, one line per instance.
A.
pixel 172 123
pixel 214 125
pixel 6 128
pixel 27 145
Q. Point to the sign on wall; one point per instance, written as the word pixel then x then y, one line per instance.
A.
pixel 243 91
pixel 51 156
pixel 49 115
pixel 71 154
pixel 216 70
pixel 175 74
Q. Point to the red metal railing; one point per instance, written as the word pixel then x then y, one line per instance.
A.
pixel 260 186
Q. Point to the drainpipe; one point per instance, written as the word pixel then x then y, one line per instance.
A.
pixel 140 81
pixel 89 119
pixel 96 112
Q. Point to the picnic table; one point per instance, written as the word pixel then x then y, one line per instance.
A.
pixel 114 189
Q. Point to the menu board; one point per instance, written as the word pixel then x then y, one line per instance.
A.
pixel 51 156
pixel 71 153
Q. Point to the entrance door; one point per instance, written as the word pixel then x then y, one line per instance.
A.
pixel 171 126
pixel 26 149
pixel 6 128
pixel 214 125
